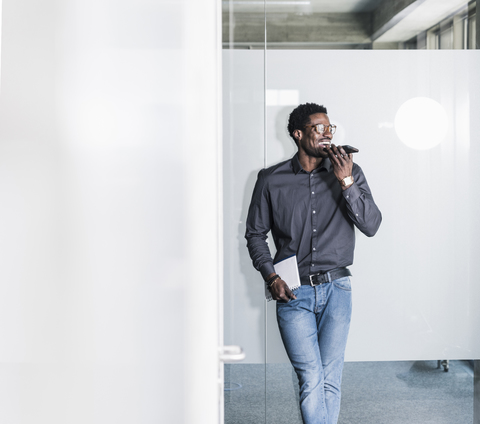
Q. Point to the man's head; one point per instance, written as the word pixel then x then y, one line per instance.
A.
pixel 310 128
pixel 300 117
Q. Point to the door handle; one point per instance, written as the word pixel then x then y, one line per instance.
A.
pixel 229 354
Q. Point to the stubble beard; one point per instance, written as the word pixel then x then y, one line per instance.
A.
pixel 316 153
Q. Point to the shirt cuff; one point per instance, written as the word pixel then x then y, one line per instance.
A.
pixel 266 269
pixel 352 193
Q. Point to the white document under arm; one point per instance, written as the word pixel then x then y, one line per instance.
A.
pixel 287 269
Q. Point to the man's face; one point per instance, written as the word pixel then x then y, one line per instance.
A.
pixel 313 143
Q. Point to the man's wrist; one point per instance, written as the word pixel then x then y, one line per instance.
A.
pixel 272 280
pixel 267 270
pixel 346 182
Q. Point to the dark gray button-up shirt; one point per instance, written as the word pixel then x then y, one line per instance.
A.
pixel 309 216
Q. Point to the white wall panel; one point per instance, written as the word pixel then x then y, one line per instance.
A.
pixel 110 215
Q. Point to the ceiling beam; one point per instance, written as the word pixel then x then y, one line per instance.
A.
pixel 389 13
pixel 416 18
pixel 341 28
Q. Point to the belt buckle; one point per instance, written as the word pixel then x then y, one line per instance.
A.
pixel 310 277
pixel 326 276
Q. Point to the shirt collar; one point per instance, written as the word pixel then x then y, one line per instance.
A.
pixel 326 164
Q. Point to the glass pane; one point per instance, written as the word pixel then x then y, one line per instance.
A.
pixel 446 38
pixel 244 156
pixel 406 323
pixel 409 324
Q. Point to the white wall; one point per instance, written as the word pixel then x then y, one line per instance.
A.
pixel 415 289
pixel 109 160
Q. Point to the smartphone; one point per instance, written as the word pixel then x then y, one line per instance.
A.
pixel 350 149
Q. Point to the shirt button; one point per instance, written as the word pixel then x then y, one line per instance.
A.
pixel 313 264
pixel 314 230
pixel 313 211
pixel 348 196
pixel 314 249
pixel 356 214
pixel 313 192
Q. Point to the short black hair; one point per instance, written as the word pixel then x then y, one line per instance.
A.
pixel 300 117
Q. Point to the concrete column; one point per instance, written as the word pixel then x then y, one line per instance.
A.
pixel 476 386
pixel 477 28
pixel 458 32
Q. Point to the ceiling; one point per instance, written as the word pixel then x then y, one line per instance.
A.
pixel 312 6
pixel 332 22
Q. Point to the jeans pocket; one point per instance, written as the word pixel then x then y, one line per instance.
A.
pixel 295 292
pixel 343 283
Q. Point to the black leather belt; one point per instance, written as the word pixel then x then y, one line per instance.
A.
pixel 325 277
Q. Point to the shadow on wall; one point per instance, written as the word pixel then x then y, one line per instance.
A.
pixel 280 147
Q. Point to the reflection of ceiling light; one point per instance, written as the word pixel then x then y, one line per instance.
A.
pixel 282 97
pixel 421 123
pixel 268 2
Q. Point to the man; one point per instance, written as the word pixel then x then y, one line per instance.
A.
pixel 311 204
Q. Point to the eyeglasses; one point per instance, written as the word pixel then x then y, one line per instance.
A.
pixel 321 129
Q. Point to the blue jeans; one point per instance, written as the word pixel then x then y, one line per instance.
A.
pixel 314 329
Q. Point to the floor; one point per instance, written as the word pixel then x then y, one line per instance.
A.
pixel 372 393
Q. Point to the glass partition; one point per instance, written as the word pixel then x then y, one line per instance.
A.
pixel 403 91
pixel 244 156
